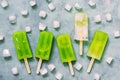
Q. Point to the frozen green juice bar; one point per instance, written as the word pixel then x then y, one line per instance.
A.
pixel 81 28
pixel 66 50
pixel 97 45
pixel 22 46
pixel 44 46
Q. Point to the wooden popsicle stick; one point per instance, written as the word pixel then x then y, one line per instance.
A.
pixel 71 68
pixel 81 41
pixel 39 66
pixel 27 66
pixel 90 65
pixel 81 45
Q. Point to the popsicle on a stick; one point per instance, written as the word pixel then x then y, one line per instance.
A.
pixel 66 50
pixel 43 48
pixel 97 47
pixel 22 47
pixel 81 28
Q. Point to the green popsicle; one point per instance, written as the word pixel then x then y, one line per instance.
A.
pixel 81 28
pixel 22 47
pixel 43 48
pixel 97 47
pixel 66 50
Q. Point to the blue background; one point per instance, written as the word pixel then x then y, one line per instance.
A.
pixel 108 72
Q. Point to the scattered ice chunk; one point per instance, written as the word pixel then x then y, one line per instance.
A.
pixel 42 26
pixel 6 53
pixel 58 76
pixel 14 71
pixel 12 19
pixel 116 33
pixel 33 3
pixel 97 76
pixel 97 18
pixel 51 6
pixel 27 29
pixel 108 17
pixel 91 3
pixel 43 71
pixel 78 7
pixel 109 60
pixel 24 12
pixel 51 67
pixel 43 14
pixel 68 7
pixel 56 24
pixel 4 4
pixel 78 66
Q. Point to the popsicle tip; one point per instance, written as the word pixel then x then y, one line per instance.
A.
pixel 39 66
pixel 37 72
pixel 88 71
pixel 81 54
pixel 72 74
pixel 29 72
pixel 90 65
pixel 27 66
pixel 71 68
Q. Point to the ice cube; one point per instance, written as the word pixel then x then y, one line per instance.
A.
pixel 12 19
pixel 109 60
pixel 42 26
pixel 58 76
pixel 97 18
pixel 116 33
pixel 97 76
pixel 33 3
pixel 14 71
pixel 51 6
pixel 68 7
pixel 27 29
pixel 43 71
pixel 78 66
pixel 108 17
pixel 24 12
pixel 56 24
pixel 6 53
pixel 78 7
pixel 51 67
pixel 91 3
pixel 4 4
pixel 43 14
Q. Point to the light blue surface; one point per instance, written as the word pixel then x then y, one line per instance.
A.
pixel 108 72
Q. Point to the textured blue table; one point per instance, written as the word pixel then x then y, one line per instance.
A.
pixel 108 72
